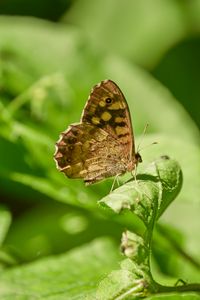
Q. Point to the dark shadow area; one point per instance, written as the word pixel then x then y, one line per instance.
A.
pixel 179 71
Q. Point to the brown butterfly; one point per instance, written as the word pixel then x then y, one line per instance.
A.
pixel 102 144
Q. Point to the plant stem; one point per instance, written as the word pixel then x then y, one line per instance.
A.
pixel 193 287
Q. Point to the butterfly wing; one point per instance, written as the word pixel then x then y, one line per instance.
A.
pixel 107 108
pixel 88 152
pixel 102 145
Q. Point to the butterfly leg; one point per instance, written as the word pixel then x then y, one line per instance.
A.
pixel 134 173
pixel 116 179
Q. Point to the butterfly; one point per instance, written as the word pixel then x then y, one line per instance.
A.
pixel 102 144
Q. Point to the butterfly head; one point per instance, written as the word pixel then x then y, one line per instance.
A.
pixel 138 158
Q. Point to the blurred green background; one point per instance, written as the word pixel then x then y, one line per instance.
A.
pixel 51 54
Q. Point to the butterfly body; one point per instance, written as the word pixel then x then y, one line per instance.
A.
pixel 102 144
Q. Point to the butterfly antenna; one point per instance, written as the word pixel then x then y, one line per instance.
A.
pixel 142 137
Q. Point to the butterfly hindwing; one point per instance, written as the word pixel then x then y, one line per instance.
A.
pixel 89 153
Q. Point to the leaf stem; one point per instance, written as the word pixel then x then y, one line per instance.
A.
pixel 193 287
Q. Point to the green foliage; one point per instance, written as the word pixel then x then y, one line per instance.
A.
pixel 69 276
pixel 147 197
pixel 46 72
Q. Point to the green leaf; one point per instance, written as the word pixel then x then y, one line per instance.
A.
pixel 130 283
pixel 151 193
pixel 123 283
pixel 5 221
pixel 133 247
pixel 142 26
pixel 69 276
pixel 188 155
pixel 186 206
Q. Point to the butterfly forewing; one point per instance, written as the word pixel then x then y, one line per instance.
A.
pixel 107 108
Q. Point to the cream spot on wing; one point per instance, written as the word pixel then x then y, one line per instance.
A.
pixel 125 140
pixel 100 135
pixel 92 108
pixel 114 106
pixel 105 81
pixel 98 85
pixel 119 120
pixel 106 116
pixel 95 120
pixel 102 103
pixel 64 169
pixel 123 104
pixel 58 155
pixel 117 105
pixel 121 130
pixel 61 142
pixel 83 173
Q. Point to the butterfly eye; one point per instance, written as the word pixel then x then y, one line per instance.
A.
pixel 108 100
